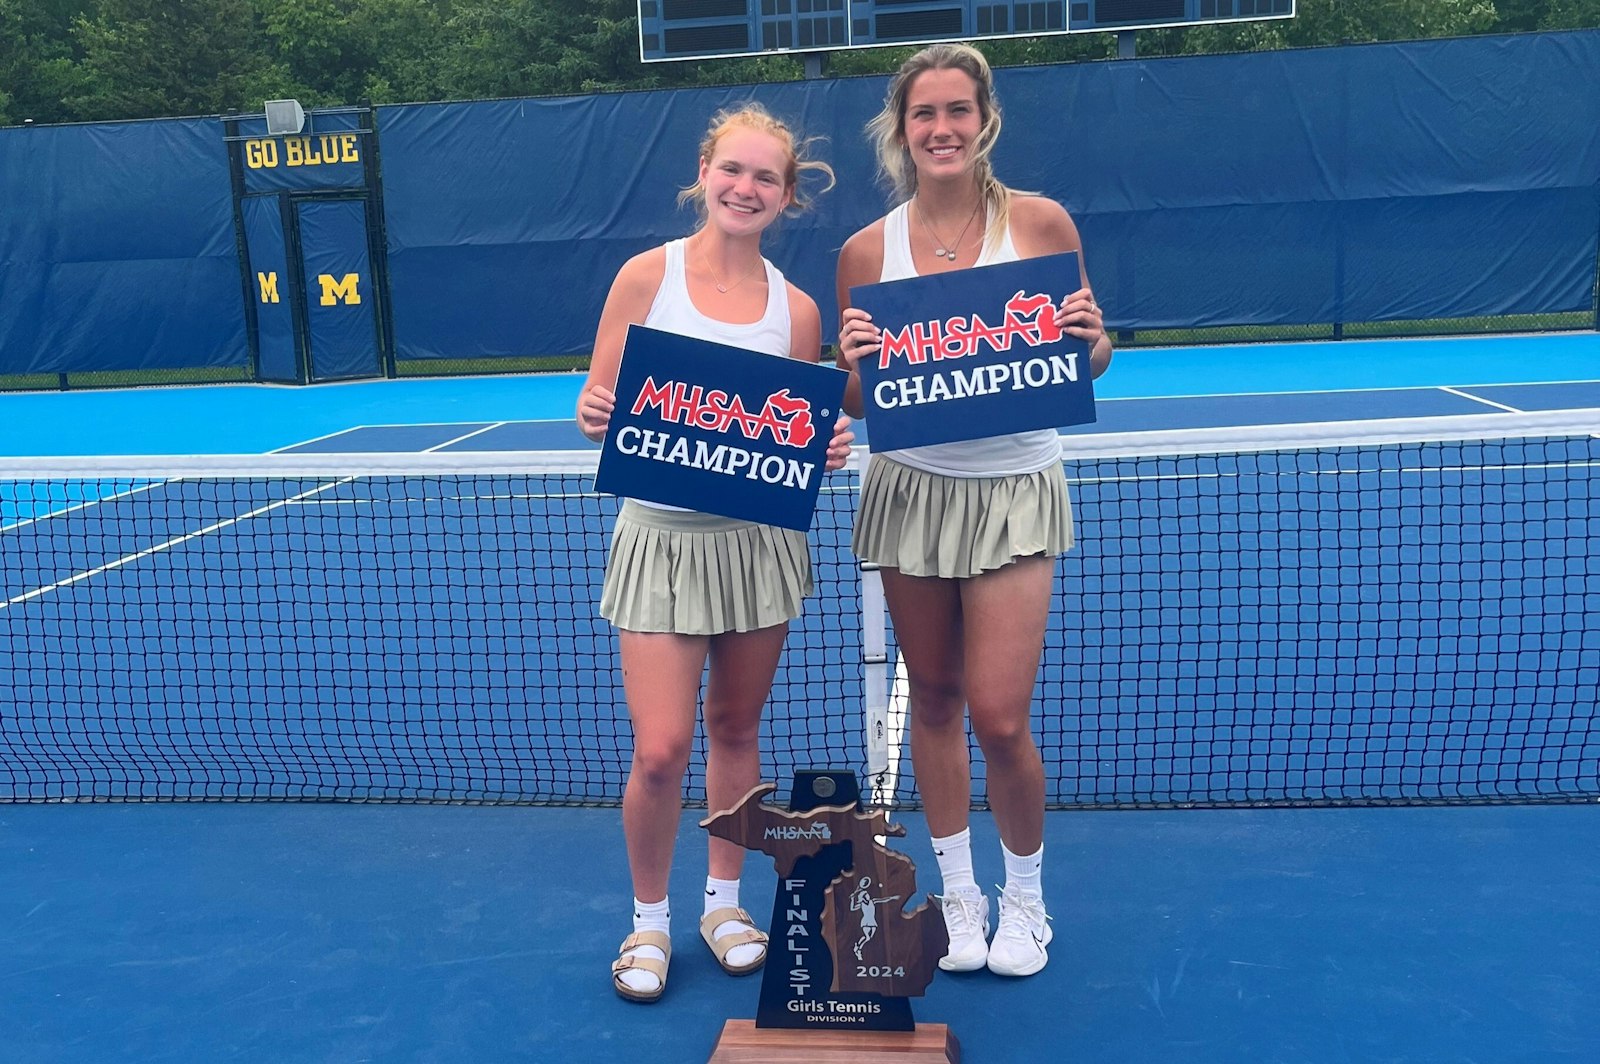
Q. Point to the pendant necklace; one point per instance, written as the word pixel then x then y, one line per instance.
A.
pixel 721 287
pixel 947 249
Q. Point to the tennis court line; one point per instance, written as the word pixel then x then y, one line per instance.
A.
pixel 168 545
pixel 467 436
pixel 445 424
pixel 325 437
pixel 1481 399
pixel 85 504
pixel 1338 391
pixel 314 439
pixel 504 497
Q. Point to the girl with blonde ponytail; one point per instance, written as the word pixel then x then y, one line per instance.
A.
pixel 966 534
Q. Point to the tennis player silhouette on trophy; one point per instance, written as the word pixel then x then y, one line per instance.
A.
pixel 864 903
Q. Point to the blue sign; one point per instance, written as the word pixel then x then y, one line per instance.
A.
pixel 719 429
pixel 330 153
pixel 974 353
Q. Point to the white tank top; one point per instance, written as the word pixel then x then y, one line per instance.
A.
pixel 674 311
pixel 997 456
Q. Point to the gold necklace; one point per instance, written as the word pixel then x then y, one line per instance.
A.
pixel 721 287
pixel 946 249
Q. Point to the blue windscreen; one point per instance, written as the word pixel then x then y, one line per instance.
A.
pixel 1393 182
pixel 1356 184
pixel 117 249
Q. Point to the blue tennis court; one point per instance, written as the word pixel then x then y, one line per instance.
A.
pixel 1390 624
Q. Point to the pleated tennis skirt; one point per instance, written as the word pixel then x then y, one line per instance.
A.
pixel 927 524
pixel 698 574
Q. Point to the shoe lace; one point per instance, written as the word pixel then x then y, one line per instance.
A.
pixel 1022 916
pixel 963 914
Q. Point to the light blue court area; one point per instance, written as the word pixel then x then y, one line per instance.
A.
pixel 1147 388
pixel 1353 365
pixel 259 418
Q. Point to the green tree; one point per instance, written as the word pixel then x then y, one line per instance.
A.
pixel 147 58
pixel 310 41
pixel 504 48
pixel 331 53
pixel 38 59
pixel 111 59
pixel 1571 15
pixel 408 41
pixel 1323 22
pixel 1522 15
pixel 542 47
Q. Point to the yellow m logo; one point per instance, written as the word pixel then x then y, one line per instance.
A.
pixel 269 287
pixel 341 291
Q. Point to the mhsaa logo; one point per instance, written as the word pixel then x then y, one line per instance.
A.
pixel 784 418
pixel 817 830
pixel 1030 319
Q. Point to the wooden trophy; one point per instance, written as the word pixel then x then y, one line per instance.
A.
pixel 844 955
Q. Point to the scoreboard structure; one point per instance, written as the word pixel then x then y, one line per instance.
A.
pixel 710 29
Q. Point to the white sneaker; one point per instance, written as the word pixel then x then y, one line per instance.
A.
pixel 966 917
pixel 1022 935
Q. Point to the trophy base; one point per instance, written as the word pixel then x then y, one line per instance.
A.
pixel 742 1042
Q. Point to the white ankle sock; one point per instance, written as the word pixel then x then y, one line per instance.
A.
pixel 722 894
pixel 652 915
pixel 647 916
pixel 1023 873
pixel 954 854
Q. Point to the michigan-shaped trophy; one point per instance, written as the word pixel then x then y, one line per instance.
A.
pixel 845 952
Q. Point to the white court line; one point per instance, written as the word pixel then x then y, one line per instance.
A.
pixel 446 424
pixel 1302 392
pixel 1481 399
pixel 449 498
pixel 1136 478
pixel 498 497
pixel 1262 474
pixel 1502 406
pixel 169 544
pixel 315 439
pixel 361 428
pixel 301 501
pixel 85 504
pixel 468 436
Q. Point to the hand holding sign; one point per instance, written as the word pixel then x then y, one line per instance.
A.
pixel 839 446
pixel 720 430
pixel 972 354
pixel 595 404
pixel 1079 315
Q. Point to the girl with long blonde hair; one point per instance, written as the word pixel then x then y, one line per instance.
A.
pixel 966 534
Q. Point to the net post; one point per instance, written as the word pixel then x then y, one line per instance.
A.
pixel 875 663
pixel 1596 303
pixel 875 658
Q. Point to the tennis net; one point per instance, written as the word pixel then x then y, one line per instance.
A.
pixel 1373 612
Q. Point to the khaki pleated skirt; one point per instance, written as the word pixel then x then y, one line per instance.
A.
pixel 927 524
pixel 698 574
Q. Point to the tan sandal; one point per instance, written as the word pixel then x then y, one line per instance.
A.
pixel 721 946
pixel 658 968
